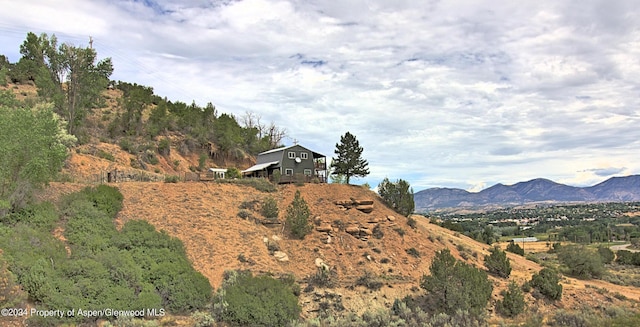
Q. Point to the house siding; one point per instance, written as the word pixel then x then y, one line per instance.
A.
pixel 284 162
pixel 298 168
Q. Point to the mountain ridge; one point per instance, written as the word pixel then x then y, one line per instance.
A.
pixel 614 189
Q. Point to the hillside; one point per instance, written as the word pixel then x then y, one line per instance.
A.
pixel 204 215
pixel 615 189
pixel 352 243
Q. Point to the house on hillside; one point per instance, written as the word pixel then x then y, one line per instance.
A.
pixel 295 164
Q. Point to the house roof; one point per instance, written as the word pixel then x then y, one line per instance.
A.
pixel 218 170
pixel 260 166
pixel 315 154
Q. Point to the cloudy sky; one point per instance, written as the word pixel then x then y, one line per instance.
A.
pixel 440 93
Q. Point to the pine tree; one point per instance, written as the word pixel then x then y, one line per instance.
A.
pixel 497 263
pixel 349 161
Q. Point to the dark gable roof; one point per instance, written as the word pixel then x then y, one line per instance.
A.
pixel 315 154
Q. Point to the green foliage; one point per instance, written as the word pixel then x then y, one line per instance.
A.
pixel 277 176
pixel 270 208
pixel 626 257
pixel 323 277
pixel 37 142
pixel 606 254
pixel 137 268
pixel 202 319
pixel 256 301
pixel 547 282
pixel 202 162
pixel 259 184
pixel 397 195
pixel 349 161
pixel 515 248
pixel 413 252
pixel 581 262
pixel 171 178
pixel 369 280
pixel 164 147
pixel 454 285
pixel 10 293
pixel 105 198
pixel 4 74
pixel 512 303
pixel 297 217
pixel 338 179
pixel 488 235
pixel 233 172
pixel 497 263
pixel 75 67
pixel 40 215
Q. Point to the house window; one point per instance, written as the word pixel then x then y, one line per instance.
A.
pixel 307 172
pixel 304 155
pixel 292 155
pixel 288 171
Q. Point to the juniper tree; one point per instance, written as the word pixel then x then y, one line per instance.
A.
pixel 397 195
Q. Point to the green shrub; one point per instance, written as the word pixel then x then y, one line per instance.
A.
pixel 323 278
pixel 270 208
pixel 259 184
pixel 233 173
pixel 150 157
pixel 581 261
pixel 10 293
pixel 369 280
pixel 412 222
pixel 202 319
pixel 164 147
pixel 413 252
pixel 515 248
pixel 202 162
pixel 512 303
pixel 41 216
pixel 497 263
pixel 606 254
pixel 297 217
pixel 245 214
pixel 105 198
pixel 454 285
pixel 256 301
pixel 171 179
pixel 572 319
pixel 105 155
pixel 547 282
pixel 126 145
pixel 277 176
pixel 398 196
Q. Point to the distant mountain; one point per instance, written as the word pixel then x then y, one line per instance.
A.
pixel 536 190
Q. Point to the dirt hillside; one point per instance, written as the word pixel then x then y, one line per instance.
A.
pixel 204 215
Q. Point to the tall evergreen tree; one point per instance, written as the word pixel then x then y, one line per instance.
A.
pixel 349 161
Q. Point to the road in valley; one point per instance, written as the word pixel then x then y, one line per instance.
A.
pixel 623 247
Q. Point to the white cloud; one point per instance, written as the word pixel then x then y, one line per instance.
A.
pixel 456 93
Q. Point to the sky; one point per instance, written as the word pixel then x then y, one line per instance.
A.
pixel 456 93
